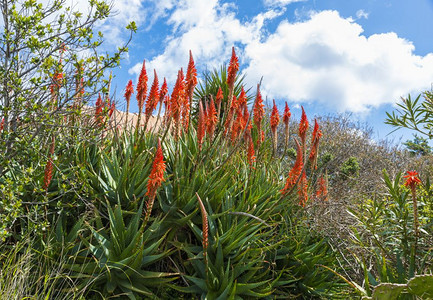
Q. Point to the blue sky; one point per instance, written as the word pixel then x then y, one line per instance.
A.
pixel 331 56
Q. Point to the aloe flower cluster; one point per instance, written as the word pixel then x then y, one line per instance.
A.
pixel 48 174
pixel 229 116
pixel 155 180
pixel 412 181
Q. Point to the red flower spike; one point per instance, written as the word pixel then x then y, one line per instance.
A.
pixel 275 117
pixel 218 100
pixel 295 172
pixel 303 127
pixel 317 134
pixel 48 174
pixel 412 179
pixel 211 119
pixel 153 98
pixel 286 120
pixel 163 91
pixel 229 121
pixel 258 113
pixel 155 180
pixel 201 127
pixel 156 176
pixel 58 79
pixel 303 190
pixel 322 190
pixel 2 123
pixel 237 126
pixel 251 153
pixel 219 97
pixel 176 101
pixel 142 87
pixel 191 76
pixel 275 120
pixel 246 117
pixel 99 109
pixel 81 87
pixel 287 114
pixel 242 100
pixel 315 131
pixel 129 91
pixel 111 109
pixel 232 69
pixel 205 228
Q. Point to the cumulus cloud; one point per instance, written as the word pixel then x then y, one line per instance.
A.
pixel 328 60
pixel 323 58
pixel 362 14
pixel 280 2
pixel 209 29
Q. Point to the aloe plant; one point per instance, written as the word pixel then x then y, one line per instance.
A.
pixel 116 259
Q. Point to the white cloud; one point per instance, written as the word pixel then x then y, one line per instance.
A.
pixel 327 59
pixel 207 28
pixel 121 14
pixel 362 14
pixel 280 2
pixel 322 58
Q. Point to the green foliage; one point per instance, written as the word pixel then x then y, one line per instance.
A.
pixel 414 114
pixel 419 146
pixel 419 286
pixel 385 235
pixel 247 240
pixel 114 259
pixel 299 258
pixel 47 49
pixel 350 167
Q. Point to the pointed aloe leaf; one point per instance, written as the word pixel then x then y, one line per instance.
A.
pixel 73 234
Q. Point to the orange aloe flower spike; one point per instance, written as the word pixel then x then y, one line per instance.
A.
pixel 303 127
pixel 153 98
pixel 251 152
pixel 98 110
pixel 275 117
pixel 232 69
pixel 205 228
pixel 142 87
pixel 191 76
pixel 303 190
pixel 275 120
pixel 219 98
pixel 212 119
pixel 48 174
pixel 317 134
pixel 294 173
pixel 129 91
pixel 412 179
pixel 163 91
pixel 286 120
pixel 155 180
pixel 322 190
pixel 258 113
pixel 201 126
pixel 287 114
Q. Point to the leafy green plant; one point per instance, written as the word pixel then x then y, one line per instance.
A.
pixel 115 259
pixel 388 234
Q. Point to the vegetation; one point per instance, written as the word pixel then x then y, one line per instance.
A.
pixel 222 198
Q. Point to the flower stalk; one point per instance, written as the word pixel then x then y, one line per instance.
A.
pixel 412 181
